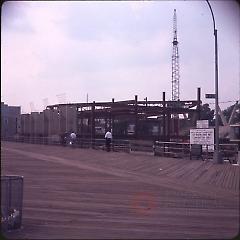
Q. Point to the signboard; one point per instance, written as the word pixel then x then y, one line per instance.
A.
pixel 202 124
pixel 209 95
pixel 202 136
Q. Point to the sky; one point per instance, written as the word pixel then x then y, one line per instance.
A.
pixel 65 52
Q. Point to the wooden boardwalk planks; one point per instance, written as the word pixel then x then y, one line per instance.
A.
pixel 78 193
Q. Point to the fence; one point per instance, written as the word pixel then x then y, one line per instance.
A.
pixel 166 149
pixel 53 140
pixel 116 145
pixel 171 149
pixel 187 150
pixel 141 147
pixel 11 202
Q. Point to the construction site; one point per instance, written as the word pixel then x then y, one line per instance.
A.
pixel 159 180
pixel 127 119
pixel 158 120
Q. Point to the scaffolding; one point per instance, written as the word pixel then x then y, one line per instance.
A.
pixel 130 118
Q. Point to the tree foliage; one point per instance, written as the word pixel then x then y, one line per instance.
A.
pixel 228 111
pixel 207 114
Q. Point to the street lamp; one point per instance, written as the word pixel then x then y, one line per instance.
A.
pixel 146 100
pixel 217 156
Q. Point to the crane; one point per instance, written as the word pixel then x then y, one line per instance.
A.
pixel 175 61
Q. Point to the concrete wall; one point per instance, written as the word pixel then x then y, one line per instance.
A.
pixel 49 122
pixel 37 122
pixel 68 119
pixel 52 121
pixel 25 124
pixel 32 124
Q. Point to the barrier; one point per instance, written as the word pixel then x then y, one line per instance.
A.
pixel 11 202
pixel 141 147
pixel 171 149
pixel 116 144
pixel 186 150
pixel 167 149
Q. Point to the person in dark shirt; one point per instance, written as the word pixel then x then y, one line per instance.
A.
pixel 63 138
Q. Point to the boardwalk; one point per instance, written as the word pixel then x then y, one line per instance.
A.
pixel 85 193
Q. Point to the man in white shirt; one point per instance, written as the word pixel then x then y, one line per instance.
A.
pixel 73 137
pixel 108 137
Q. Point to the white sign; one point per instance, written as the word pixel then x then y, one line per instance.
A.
pixel 202 124
pixel 202 136
pixel 208 148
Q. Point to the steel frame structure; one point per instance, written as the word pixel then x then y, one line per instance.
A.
pixel 132 111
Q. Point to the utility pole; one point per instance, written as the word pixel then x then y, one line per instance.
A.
pixel 217 157
pixel 146 100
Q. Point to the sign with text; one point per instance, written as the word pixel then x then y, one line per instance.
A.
pixel 202 136
pixel 209 95
pixel 202 124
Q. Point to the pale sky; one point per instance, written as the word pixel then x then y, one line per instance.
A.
pixel 55 52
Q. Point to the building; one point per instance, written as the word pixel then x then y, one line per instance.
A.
pixel 128 119
pixel 10 120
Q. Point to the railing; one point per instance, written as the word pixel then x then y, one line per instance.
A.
pixel 171 149
pixel 165 149
pixel 141 147
pixel 53 140
pixel 116 145
pixel 185 150
pixel 230 152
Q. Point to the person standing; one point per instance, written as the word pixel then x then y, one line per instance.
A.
pixel 73 138
pixel 63 138
pixel 108 138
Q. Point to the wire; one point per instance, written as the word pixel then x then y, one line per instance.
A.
pixel 223 102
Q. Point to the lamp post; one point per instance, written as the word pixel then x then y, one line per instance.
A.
pixel 217 156
pixel 146 100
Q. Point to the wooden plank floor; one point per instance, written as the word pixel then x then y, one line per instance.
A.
pixel 92 194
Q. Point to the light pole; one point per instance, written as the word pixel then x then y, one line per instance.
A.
pixel 146 100
pixel 217 156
